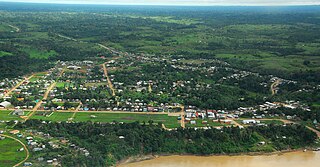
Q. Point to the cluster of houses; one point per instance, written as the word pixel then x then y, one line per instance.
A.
pixel 6 84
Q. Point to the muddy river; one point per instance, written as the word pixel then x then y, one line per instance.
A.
pixel 293 159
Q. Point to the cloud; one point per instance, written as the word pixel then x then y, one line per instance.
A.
pixel 180 2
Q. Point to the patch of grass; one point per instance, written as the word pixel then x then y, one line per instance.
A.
pixel 5 28
pixel 5 115
pixel 168 121
pixel 9 155
pixel 56 116
pixel 3 53
pixel 39 54
pixel 200 124
pixel 64 84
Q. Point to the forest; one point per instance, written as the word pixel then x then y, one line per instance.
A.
pixel 106 147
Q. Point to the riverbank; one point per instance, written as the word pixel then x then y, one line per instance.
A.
pixel 292 157
pixel 139 158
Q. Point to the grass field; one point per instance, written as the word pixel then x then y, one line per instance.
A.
pixel 57 116
pixel 63 84
pixel 169 121
pixel 269 61
pixel 39 54
pixel 199 123
pixel 6 116
pixel 9 155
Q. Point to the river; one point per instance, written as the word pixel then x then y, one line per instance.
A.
pixel 292 159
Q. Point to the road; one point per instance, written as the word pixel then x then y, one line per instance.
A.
pixel 108 79
pixel 183 124
pixel 108 48
pixel 45 96
pixel 15 87
pixel 24 146
pixel 274 86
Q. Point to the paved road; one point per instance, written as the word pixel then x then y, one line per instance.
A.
pixel 24 146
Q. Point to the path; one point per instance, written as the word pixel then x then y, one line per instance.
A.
pixel 150 88
pixel 14 27
pixel 15 87
pixel 274 86
pixel 314 130
pixel 24 146
pixel 108 48
pixel 108 79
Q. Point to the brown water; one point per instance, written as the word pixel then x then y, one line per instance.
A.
pixel 293 159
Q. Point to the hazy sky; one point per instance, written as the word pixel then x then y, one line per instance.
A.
pixel 181 2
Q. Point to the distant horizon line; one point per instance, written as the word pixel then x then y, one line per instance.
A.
pixel 182 5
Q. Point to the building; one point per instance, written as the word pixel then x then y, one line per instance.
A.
pixel 5 104
pixel 249 121
pixel 18 112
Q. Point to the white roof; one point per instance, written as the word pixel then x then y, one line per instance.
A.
pixel 5 104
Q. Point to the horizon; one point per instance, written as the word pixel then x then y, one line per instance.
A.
pixel 207 3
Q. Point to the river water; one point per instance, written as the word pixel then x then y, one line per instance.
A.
pixel 292 159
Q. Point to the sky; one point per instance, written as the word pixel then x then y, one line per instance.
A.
pixel 182 2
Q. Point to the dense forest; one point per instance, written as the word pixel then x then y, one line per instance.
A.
pixel 110 143
pixel 247 37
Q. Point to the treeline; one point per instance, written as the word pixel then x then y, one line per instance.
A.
pixel 299 113
pixel 106 147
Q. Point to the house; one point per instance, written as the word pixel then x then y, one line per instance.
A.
pixel 14 132
pixel 5 104
pixel 249 121
pixel 18 112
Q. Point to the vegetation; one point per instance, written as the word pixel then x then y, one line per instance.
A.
pixel 106 147
pixel 9 154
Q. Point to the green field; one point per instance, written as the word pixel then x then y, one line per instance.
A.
pixel 169 121
pixel 63 84
pixel 199 123
pixel 9 155
pixel 38 54
pixel 57 116
pixel 6 116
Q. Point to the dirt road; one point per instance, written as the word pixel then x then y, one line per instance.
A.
pixel 15 87
pixel 17 29
pixel 24 146
pixel 45 96
pixel 274 86
pixel 108 79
